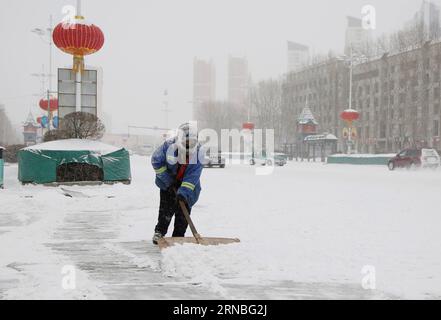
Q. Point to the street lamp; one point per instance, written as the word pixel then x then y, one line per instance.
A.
pixel 350 115
pixel 166 109
pixel 42 33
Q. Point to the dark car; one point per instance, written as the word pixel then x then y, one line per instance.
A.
pixel 214 160
pixel 410 158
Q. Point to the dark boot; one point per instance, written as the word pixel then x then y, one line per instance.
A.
pixel 167 209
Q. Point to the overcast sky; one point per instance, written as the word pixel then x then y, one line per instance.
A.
pixel 150 45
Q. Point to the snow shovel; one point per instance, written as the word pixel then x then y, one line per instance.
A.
pixel 165 243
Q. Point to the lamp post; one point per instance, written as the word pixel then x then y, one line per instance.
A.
pixel 42 33
pixel 78 78
pixel 79 39
pixel 350 115
pixel 166 109
pixel 351 76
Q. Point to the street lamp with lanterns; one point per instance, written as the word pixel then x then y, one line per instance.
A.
pixel 351 115
pixel 47 33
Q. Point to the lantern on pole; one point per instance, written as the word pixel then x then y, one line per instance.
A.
pixel 44 104
pixel 249 126
pixel 350 116
pixel 78 38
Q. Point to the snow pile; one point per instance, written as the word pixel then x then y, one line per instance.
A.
pixel 75 145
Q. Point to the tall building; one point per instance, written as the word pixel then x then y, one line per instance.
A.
pixel 204 84
pixel 429 18
pixel 356 36
pixel 298 56
pixel 238 82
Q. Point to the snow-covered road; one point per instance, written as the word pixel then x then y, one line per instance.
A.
pixel 307 231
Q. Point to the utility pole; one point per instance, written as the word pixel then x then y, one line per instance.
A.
pixel 350 100
pixel 166 109
pixel 48 32
pixel 78 79
pixel 49 111
pixel 43 77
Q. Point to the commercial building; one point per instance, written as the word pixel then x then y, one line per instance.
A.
pixel 298 56
pixel 204 84
pixel 429 18
pixel 399 100
pixel 398 97
pixel 357 37
pixel 238 82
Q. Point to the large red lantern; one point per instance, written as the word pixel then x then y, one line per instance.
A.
pixel 45 105
pixel 79 39
pixel 248 126
pixel 350 116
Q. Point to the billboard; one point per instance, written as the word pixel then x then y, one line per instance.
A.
pixel 66 92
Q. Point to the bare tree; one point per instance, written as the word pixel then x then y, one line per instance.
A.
pixel 11 153
pixel 412 37
pixel 266 102
pixel 218 115
pixel 82 125
pixel 78 125
pixel 54 135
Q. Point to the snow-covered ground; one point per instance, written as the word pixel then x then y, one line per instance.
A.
pixel 308 230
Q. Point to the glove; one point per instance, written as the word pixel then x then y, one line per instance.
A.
pixel 172 189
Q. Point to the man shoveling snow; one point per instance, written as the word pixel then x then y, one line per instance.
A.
pixel 178 172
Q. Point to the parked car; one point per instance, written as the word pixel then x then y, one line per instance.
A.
pixel 277 159
pixel 214 160
pixel 258 160
pixel 280 159
pixel 413 158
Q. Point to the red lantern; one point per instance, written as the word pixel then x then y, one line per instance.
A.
pixel 248 126
pixel 78 39
pixel 350 115
pixel 45 105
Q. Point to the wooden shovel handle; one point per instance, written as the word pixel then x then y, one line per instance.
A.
pixel 196 235
pixel 184 210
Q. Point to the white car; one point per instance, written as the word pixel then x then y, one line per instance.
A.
pixel 276 159
pixel 430 158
